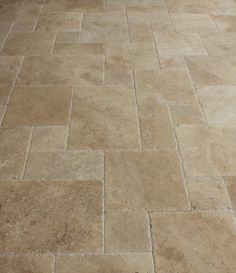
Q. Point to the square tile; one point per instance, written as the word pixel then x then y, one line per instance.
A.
pixel 81 49
pixel 208 193
pixel 194 242
pixel 125 263
pixel 14 143
pixel 127 232
pixel 55 21
pixel 76 165
pixel 9 67
pixel 140 181
pixel 39 106
pixel 230 183
pixel 169 86
pixel 67 37
pixel 47 138
pixel 51 216
pixel 218 103
pixel 207 151
pixel 225 23
pixel 61 71
pixel 103 118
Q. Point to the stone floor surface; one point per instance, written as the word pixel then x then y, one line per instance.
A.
pixel 117 136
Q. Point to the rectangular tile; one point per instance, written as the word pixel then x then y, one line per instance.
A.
pixel 9 66
pixel 81 49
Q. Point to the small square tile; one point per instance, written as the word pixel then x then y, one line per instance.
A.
pixel 9 66
pixel 230 183
pixel 38 106
pixel 67 37
pixel 51 216
pixel 46 138
pixel 82 49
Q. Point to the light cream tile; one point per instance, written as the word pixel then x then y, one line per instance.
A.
pixel 172 62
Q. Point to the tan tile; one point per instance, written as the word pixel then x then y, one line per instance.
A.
pixel 47 220
pixel 28 43
pixel 61 70
pixel 9 67
pixel 172 43
pixel 59 21
pixel 172 62
pixel 140 32
pixel 67 37
pixel 4 29
pixel 125 263
pixel 5 91
pixel 211 70
pixel 81 49
pixel 135 55
pixel 14 144
pixel 103 118
pixel 140 181
pixel 127 232
pixel 194 242
pixel 46 138
pixel 39 106
pixel 22 264
pixel 207 151
pixel 186 114
pixel 82 165
pixel 231 188
pixel 155 124
pixel 225 23
pixel 169 86
pixel 208 193
pixel 185 6
pixel 219 103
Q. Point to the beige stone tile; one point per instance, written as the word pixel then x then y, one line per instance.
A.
pixel 169 86
pixel 39 106
pixel 194 242
pixel 81 49
pixel 207 151
pixel 172 43
pixel 67 37
pixel 186 114
pixel 219 104
pixel 9 67
pixel 59 21
pixel 51 216
pixel 14 144
pixel 5 91
pixel 135 55
pixel 172 62
pixel 231 188
pixel 46 138
pixel 140 32
pixel 225 23
pixel 208 193
pixel 155 124
pixel 127 232
pixel 22 264
pixel 124 263
pixel 82 165
pixel 185 6
pixel 4 29
pixel 28 43
pixel 103 118
pixel 140 181
pixel 211 70
pixel 61 70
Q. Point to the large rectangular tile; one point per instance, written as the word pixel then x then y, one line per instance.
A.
pixel 51 216
pixel 81 49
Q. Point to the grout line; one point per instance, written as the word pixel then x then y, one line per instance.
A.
pixel 127 22
pixel 69 116
pixel 54 41
pixel 4 112
pixel 40 12
pixel 54 264
pixel 103 205
pixel 155 46
pixel 81 27
pixel 151 242
pixel 6 37
pixel 226 189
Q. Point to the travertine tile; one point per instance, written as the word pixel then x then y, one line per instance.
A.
pixel 9 66
pixel 172 43
pixel 140 181
pixel 61 70
pixel 81 49
pixel 82 165
pixel 67 37
pixel 219 103
pixel 22 264
pixel 59 21
pixel 39 106
pixel 226 23
pixel 14 144
pixel 46 138
pixel 185 6
pixel 5 91
pixel 127 232
pixel 208 193
pixel 140 32
pixel 169 86
pixel 231 188
pixel 172 62
pixel 28 43
pixel 125 263
pixel 51 216
pixel 103 118
pixel 211 70
pixel 208 151
pixel 186 114
pixel 155 124
pixel 194 242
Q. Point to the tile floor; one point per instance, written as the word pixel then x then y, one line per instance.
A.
pixel 117 136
